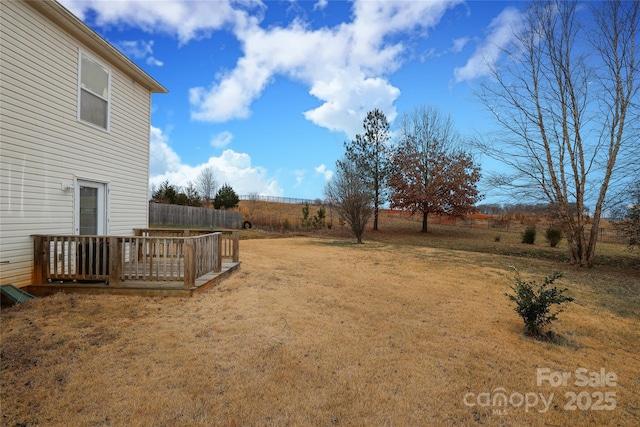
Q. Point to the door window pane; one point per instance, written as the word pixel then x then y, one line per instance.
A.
pixel 88 210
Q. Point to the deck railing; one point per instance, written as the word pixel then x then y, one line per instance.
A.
pixel 230 238
pixel 148 256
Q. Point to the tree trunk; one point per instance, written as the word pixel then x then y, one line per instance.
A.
pixel 424 221
pixel 375 217
pixel 545 98
pixel 375 204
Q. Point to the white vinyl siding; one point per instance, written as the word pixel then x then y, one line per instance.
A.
pixel 43 145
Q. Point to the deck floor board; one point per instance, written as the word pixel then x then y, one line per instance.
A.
pixel 136 287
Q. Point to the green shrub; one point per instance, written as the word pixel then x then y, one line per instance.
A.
pixel 319 219
pixel 529 235
pixel 534 305
pixel 554 236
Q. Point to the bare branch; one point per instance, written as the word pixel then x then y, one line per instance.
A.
pixel 569 111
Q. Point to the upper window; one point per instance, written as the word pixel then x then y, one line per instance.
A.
pixel 94 92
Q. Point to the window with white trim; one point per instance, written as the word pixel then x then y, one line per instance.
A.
pixel 94 91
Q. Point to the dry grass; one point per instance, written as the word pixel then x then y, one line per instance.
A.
pixel 273 215
pixel 319 331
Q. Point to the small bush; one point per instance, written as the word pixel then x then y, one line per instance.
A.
pixel 529 235
pixel 534 305
pixel 306 222
pixel 554 236
pixel 496 239
pixel 319 219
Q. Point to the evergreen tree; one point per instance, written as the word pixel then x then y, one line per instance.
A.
pixel 226 198
pixel 371 155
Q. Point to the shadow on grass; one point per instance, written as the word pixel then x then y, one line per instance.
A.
pixel 553 338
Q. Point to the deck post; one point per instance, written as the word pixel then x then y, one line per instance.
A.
pixel 115 258
pixel 218 254
pixel 189 263
pixel 39 263
pixel 236 246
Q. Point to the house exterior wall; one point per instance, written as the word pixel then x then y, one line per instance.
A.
pixel 43 146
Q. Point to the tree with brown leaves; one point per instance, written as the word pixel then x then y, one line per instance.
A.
pixel 432 175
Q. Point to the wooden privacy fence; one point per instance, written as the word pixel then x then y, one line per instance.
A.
pixel 140 258
pixel 190 216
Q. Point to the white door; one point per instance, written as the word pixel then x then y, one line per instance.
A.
pixel 91 208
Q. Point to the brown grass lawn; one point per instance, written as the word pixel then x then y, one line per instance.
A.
pixel 405 330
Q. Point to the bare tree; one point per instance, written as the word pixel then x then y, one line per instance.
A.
pixel 206 184
pixel 431 173
pixel 350 194
pixel 569 111
pixel 371 154
pixel 253 198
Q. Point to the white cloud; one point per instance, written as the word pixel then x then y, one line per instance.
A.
pixel 299 174
pixel 230 167
pixel 456 47
pixel 322 170
pixel 347 102
pixel 347 66
pixel 154 62
pixel 459 44
pixel 232 97
pixel 139 49
pixel 186 19
pixel 500 34
pixel 162 158
pixel 221 140
pixel 320 4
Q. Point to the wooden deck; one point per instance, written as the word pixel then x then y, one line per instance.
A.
pixel 136 288
pixel 154 262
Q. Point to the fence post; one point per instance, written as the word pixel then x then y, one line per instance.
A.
pixel 189 263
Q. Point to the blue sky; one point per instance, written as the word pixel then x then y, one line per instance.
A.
pixel 267 92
